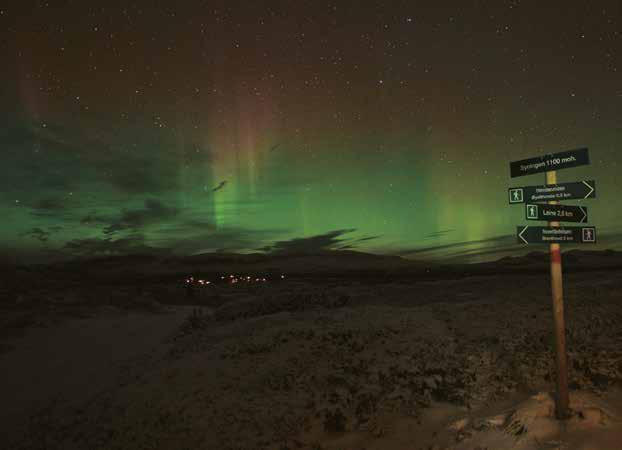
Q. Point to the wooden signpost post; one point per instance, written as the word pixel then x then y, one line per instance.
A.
pixel 551 193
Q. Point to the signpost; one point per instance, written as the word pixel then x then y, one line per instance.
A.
pixel 563 213
pixel 545 193
pixel 550 210
pixel 547 235
pixel 550 162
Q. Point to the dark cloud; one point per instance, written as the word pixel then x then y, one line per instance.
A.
pixel 134 244
pixel 93 218
pixel 221 185
pixel 442 249
pixel 352 243
pixel 153 212
pixel 366 238
pixel 513 249
pixel 199 240
pixel 37 161
pixel 497 247
pixel 115 227
pixel 508 246
pixel 150 166
pixel 188 226
pixel 310 245
pixel 180 233
pixel 48 156
pixel 137 175
pixel 50 206
pixel 439 234
pixel 487 253
pixel 38 233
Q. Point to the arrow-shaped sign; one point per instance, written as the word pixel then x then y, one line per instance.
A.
pixel 556 213
pixel 521 233
pixel 552 192
pixel 547 235
pixel 590 187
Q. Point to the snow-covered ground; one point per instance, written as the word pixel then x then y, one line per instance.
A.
pixel 459 364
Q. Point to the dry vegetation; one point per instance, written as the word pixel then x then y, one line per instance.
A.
pixel 328 364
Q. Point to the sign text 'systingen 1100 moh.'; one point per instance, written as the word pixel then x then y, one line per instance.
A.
pixel 550 162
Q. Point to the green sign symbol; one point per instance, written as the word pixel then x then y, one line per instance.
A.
pixel 532 211
pixel 516 195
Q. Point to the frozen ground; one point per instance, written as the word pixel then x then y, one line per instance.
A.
pixel 459 364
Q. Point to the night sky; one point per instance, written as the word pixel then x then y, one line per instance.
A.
pixel 385 127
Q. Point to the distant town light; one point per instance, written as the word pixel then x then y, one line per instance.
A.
pixel 231 279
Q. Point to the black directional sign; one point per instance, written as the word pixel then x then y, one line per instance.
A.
pixel 556 213
pixel 551 161
pixel 546 235
pixel 550 192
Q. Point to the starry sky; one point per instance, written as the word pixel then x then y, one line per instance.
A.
pixel 385 127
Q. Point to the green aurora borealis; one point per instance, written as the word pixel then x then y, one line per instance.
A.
pixel 225 128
